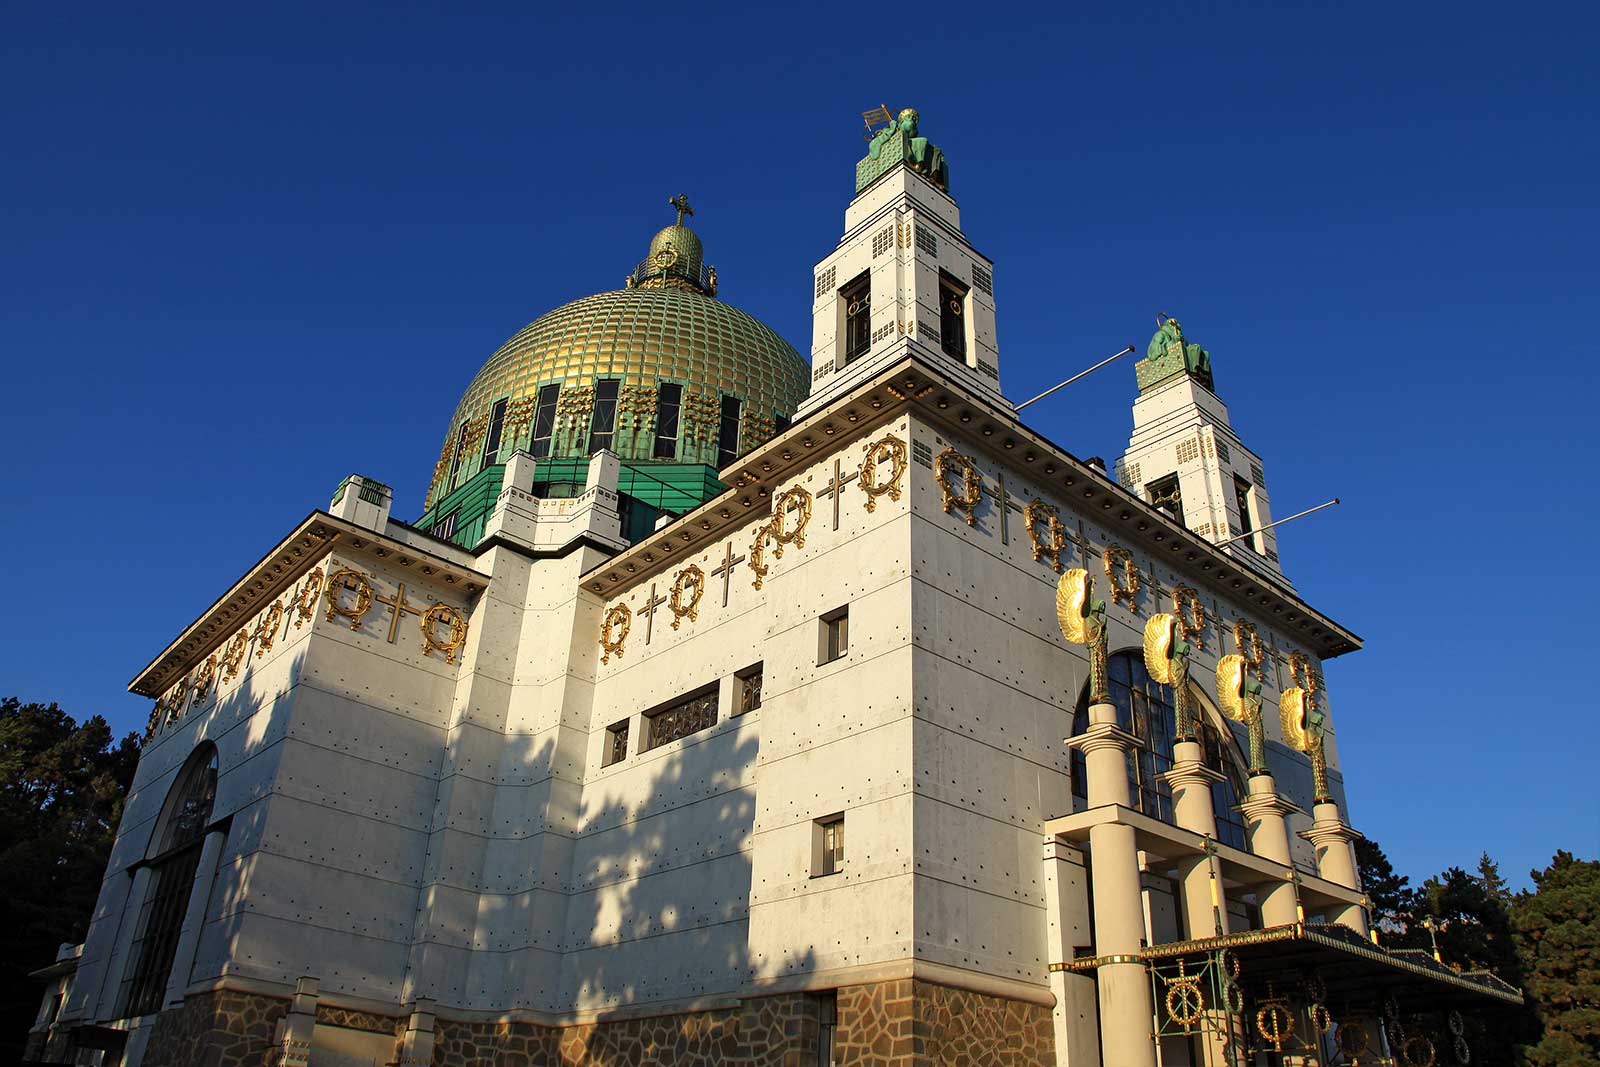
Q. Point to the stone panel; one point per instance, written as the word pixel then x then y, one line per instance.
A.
pixel 219 1029
pixel 891 1024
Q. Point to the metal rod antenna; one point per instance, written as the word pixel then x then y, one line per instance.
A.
pixel 1278 522
pixel 1075 377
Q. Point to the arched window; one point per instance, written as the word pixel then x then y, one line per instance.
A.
pixel 173 856
pixel 1144 709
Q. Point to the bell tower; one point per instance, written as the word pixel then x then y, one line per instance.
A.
pixel 903 278
pixel 1185 458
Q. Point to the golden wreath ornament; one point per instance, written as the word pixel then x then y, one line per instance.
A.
pixel 691 577
pixel 1419 1051
pixel 1275 1022
pixel 267 632
pixel 1191 615
pixel 971 483
pixel 885 448
pixel 233 655
pixel 203 679
pixel 1185 1002
pixel 1122 574
pixel 348 578
pixel 801 499
pixel 306 604
pixel 1321 1018
pixel 614 631
pixel 758 554
pixel 446 615
pixel 1055 536
pixel 176 699
pixel 1353 1039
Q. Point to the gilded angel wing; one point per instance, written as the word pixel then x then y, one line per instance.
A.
pixel 1292 715
pixel 1230 687
pixel 1072 604
pixel 1158 642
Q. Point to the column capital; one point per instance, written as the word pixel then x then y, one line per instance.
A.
pixel 1103 735
pixel 1328 832
pixel 1258 806
pixel 1191 772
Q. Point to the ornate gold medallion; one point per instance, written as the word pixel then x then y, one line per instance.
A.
pixel 801 500
pixel 446 615
pixel 1122 574
pixel 614 631
pixel 267 631
pixel 306 604
pixel 690 578
pixel 1054 538
pixel 1191 615
pixel 971 484
pixel 233 655
pixel 348 578
pixel 885 448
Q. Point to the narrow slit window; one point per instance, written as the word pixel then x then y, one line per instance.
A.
pixel 497 425
pixel 828 842
pixel 603 423
pixel 749 681
pixel 616 749
pixel 1247 526
pixel 544 421
pixel 461 445
pixel 728 432
pixel 669 400
pixel 857 300
pixel 952 317
pixel 835 642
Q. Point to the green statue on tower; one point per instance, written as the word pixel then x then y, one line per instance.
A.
pixel 896 142
pixel 1169 354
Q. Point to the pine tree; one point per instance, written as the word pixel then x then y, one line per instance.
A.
pixel 1390 894
pixel 1557 929
pixel 1489 878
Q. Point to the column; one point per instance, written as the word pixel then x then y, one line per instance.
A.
pixel 194 917
pixel 1127 1016
pixel 1205 911
pixel 1266 817
pixel 416 1048
pixel 1066 927
pixel 1336 859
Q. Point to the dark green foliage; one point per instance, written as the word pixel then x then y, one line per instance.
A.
pixel 61 790
pixel 1391 896
pixel 1557 929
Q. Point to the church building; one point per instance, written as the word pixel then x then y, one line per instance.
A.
pixel 729 705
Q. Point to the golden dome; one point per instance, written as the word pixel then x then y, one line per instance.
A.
pixel 640 337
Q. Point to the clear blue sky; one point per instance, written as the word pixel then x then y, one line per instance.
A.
pixel 244 252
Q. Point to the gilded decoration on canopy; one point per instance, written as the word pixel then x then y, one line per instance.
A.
pixel 1122 574
pixel 1185 1002
pixel 1054 538
pixel 890 449
pixel 1191 615
pixel 1274 1020
pixel 443 615
pixel 971 484
pixel 351 580
pixel 687 589
pixel 614 631
pixel 305 605
pixel 267 632
pixel 798 499
pixel 1083 622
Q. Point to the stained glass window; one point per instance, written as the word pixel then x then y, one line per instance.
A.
pixel 681 718
pixel 616 749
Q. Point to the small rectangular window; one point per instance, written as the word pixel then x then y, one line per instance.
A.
pixel 728 432
pixel 1241 496
pixel 544 421
pixel 461 444
pixel 857 300
pixel 1166 495
pixel 603 423
pixel 952 317
pixel 682 717
pixel 445 528
pixel 616 749
pixel 827 1026
pixel 497 425
pixel 669 398
pixel 749 681
pixel 835 636
pixel 827 841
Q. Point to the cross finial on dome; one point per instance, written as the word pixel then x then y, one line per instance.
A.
pixel 681 202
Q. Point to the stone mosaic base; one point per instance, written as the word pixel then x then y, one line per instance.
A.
pixel 220 1029
pixel 911 1022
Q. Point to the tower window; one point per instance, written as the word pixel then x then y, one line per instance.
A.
pixel 728 432
pixel 669 399
pixel 857 300
pixel 749 689
pixel 603 423
pixel 461 444
pixel 497 425
pixel 1167 495
pixel 544 421
pixel 835 642
pixel 616 749
pixel 952 317
pixel 1247 526
pixel 827 846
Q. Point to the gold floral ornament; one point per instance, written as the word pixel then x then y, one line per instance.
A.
pixel 305 605
pixel 267 632
pixel 799 500
pixel 233 655
pixel 351 580
pixel 1083 622
pixel 1185 1002
pixel 176 700
pixel 1248 644
pixel 691 581
pixel 1191 615
pixel 758 554
pixel 203 679
pixel 443 615
pixel 971 484
pixel 1054 538
pixel 155 721
pixel 1302 722
pixel 614 631
pixel 885 448
pixel 1122 574
pixel 1274 1020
